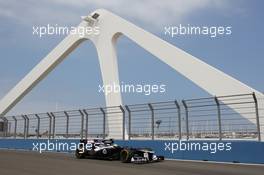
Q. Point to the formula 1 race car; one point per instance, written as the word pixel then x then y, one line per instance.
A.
pixel 106 149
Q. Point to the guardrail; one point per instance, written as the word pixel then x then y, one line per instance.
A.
pixel 203 118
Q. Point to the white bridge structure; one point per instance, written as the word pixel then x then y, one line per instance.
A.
pixel 111 26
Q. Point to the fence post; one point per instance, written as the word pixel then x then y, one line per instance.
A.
pixel 38 127
pixel 219 118
pixel 25 127
pixel 179 118
pixel 53 124
pixel 82 122
pixel 186 118
pixel 124 121
pixel 86 124
pixel 5 127
pixel 257 115
pixel 152 121
pixel 27 119
pixel 50 118
pixel 67 124
pixel 15 127
pixel 8 128
pixel 129 121
pixel 102 110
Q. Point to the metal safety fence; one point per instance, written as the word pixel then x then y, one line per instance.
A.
pixel 222 117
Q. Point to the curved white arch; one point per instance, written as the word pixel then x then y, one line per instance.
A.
pixel 111 26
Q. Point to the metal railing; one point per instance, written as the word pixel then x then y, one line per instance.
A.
pixel 203 118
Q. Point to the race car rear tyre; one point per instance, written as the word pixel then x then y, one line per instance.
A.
pixel 125 156
pixel 79 155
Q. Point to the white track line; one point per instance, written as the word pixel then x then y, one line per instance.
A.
pixel 215 162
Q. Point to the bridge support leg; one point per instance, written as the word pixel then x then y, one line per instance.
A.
pixel 109 69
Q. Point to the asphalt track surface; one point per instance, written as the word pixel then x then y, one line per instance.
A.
pixel 32 163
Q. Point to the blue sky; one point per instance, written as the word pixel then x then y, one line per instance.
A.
pixel 74 83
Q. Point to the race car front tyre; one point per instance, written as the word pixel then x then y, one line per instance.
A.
pixel 160 158
pixel 125 156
